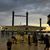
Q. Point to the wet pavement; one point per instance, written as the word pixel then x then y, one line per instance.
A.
pixel 22 46
pixel 19 45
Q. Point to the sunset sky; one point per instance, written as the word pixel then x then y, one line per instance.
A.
pixel 36 8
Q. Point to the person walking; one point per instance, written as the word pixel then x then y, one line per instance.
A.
pixel 9 44
pixel 14 39
pixel 46 41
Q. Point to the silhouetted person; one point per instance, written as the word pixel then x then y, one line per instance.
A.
pixel 42 38
pixel 29 43
pixel 9 44
pixel 46 41
pixel 34 38
pixel 14 39
pixel 22 36
pixel 2 33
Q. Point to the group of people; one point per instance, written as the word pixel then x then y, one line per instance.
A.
pixel 44 39
pixel 34 40
pixel 11 41
pixel 5 33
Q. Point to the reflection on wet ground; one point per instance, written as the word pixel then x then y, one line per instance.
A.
pixel 23 47
pixel 20 46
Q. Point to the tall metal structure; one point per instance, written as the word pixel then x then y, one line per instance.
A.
pixel 13 15
pixel 13 18
pixel 26 18
pixel 40 23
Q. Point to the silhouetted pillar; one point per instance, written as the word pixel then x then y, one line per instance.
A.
pixel 26 21
pixel 40 24
pixel 26 18
pixel 12 22
pixel 13 18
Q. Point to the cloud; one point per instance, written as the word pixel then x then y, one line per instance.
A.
pixel 7 5
pixel 40 8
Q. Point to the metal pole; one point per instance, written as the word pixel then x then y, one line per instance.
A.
pixel 12 22
pixel 40 24
pixel 40 29
pixel 13 18
pixel 26 18
pixel 26 21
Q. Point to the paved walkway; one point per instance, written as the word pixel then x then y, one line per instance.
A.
pixel 26 47
pixel 23 46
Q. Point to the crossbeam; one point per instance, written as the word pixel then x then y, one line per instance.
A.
pixel 13 15
pixel 19 16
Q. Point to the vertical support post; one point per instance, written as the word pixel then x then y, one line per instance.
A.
pixel 26 18
pixel 41 34
pixel 26 21
pixel 12 22
pixel 13 18
pixel 40 24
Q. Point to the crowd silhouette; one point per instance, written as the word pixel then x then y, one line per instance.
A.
pixel 44 39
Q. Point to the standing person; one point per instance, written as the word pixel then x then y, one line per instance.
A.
pixel 9 44
pixel 2 33
pixel 42 38
pixel 22 37
pixel 46 41
pixel 35 39
pixel 29 43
